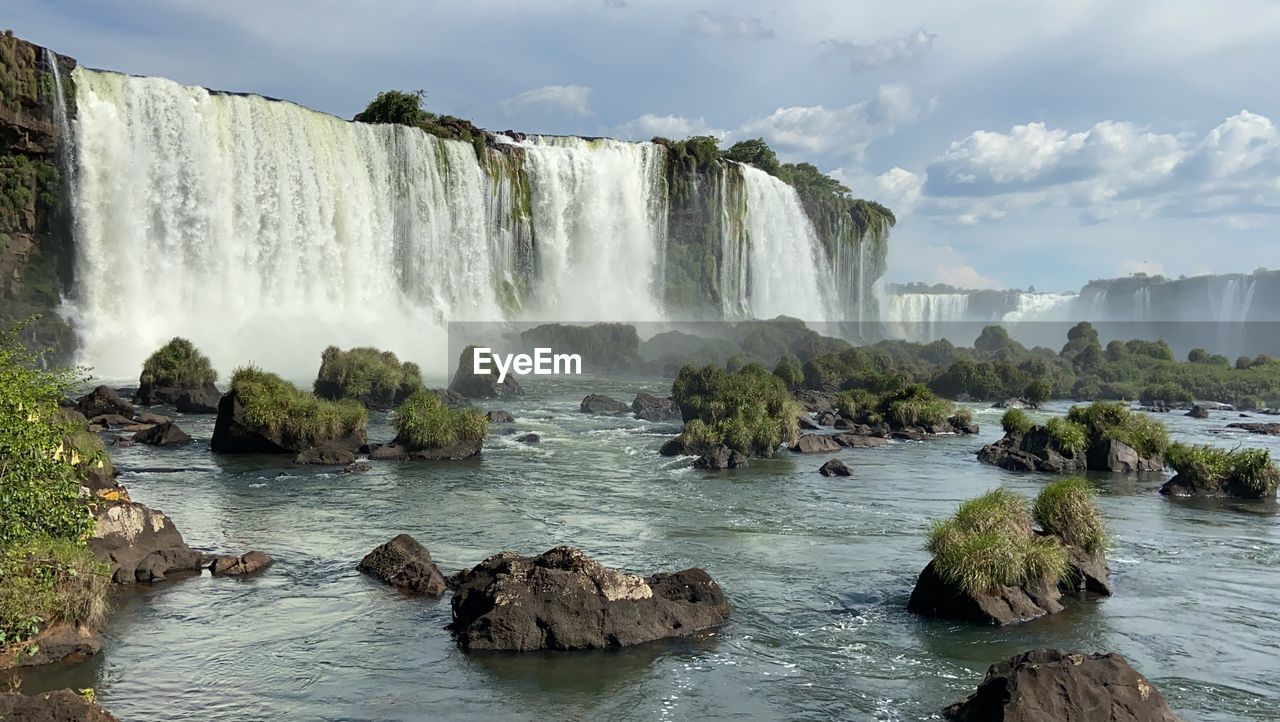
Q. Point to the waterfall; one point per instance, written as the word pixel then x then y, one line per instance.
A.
pixel 923 317
pixel 66 138
pixel 264 231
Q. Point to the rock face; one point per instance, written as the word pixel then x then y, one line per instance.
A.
pixel 404 563
pixel 481 386
pixel 1255 428
pixel 164 434
pixel 326 456
pixel 149 395
pixel 1035 451
pixel 655 408
pixel 498 416
pixel 1049 685
pixel 721 457
pixel 233 566
pixel 104 400
pixel 815 443
pixel 232 435
pixel 63 705
pixel 601 404
pixel 199 401
pixel 139 543
pixel 562 600
pixel 835 467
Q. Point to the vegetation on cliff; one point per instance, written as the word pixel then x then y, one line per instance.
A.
pixel 423 422
pixel 374 378
pixel 402 107
pixel 750 411
pixel 276 406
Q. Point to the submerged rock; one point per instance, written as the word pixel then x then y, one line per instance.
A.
pixel 498 416
pixel 104 400
pixel 655 408
pixel 63 705
pixel 395 451
pixel 1198 412
pixel 326 456
pixel 835 467
pixel 601 404
pixel 166 434
pixel 563 600
pixel 1015 402
pixel 55 643
pixel 529 439
pixel 858 440
pixel 248 563
pixel 721 457
pixel 1269 429
pixel 1044 685
pixel 405 563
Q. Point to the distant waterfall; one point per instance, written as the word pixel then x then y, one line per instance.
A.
pixel 264 231
pixel 924 317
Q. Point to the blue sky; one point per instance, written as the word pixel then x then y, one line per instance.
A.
pixel 1020 143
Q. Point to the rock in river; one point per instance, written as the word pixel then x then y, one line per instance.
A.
pixel 63 705
pixel 721 457
pixel 404 563
pixel 835 467
pixel 601 404
pixel 165 434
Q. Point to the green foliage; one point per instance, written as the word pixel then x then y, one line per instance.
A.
pixel 1067 508
pixel 751 410
pixel 1251 471
pixel 989 544
pixel 423 422
pixel 46 581
pixel 1069 437
pixel 788 369
pixel 21 180
pixel 375 378
pixel 401 107
pixel 755 152
pixel 177 364
pixel 278 407
pixel 914 406
pixel 1038 391
pixel 856 403
pixel 1015 421
pixel 1104 420
pixel 1166 393
pixel 962 417
pixel 39 470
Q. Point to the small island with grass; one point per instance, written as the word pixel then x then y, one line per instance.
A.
pixel 1102 436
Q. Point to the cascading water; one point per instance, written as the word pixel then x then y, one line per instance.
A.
pixel 923 317
pixel 264 231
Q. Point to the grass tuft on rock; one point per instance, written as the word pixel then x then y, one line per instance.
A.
pixel 274 405
pixel 988 544
pixel 375 378
pixel 1015 421
pixel 1068 509
pixel 1067 436
pixel 424 422
pixel 914 406
pixel 1209 468
pixel 1113 420
pixel 177 364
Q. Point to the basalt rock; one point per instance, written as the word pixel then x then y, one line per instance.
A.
pixel 1015 402
pixel 1053 686
pixel 104 400
pixel 63 705
pixel 655 408
pixel 498 416
pixel 203 400
pixel 815 443
pixel 721 457
pixel 140 543
pixel 326 456
pixel 405 563
pixel 826 418
pixel 808 425
pixel 1198 412
pixel 859 441
pixel 1270 429
pixel 529 439
pixel 397 451
pixel 562 600
pixel 1036 451
pixel 56 643
pixel 835 467
pixel 481 386
pixel 150 395
pixel 166 434
pixel 601 404
pixel 933 596
pixel 232 434
pixel 245 564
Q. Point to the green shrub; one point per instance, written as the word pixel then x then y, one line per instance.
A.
pixel 1038 391
pixel 751 410
pixel 375 378
pixel 1067 509
pixel 1113 420
pixel 962 417
pixel 856 403
pixel 1068 436
pixel 989 544
pixel 177 364
pixel 424 422
pixel 1209 468
pixel 278 407
pixel 913 406
pixel 1166 393
pixel 789 370
pixel 46 581
pixel 1015 421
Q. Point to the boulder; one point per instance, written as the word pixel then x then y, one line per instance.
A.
pixel 147 417
pixel 104 400
pixel 818 402
pixel 233 435
pixel 562 600
pixel 1112 455
pixel 498 416
pixel 149 395
pixel 404 563
pixel 843 424
pixel 481 386
pixel 1044 685
pixel 529 439
pixel 1198 412
pixel 655 408
pixel 601 404
pixel 56 643
pixel 1035 451
pixel 1270 429
pixel 395 451
pixel 858 441
pixel 116 422
pixel 1015 402
pixel 835 467
pixel 815 443
pixel 64 705
pixel 326 456
pixel 233 566
pixel 807 424
pixel 451 398
pixel 826 418
pixel 935 597
pixel 203 400
pixel 358 467
pixel 1088 573
pixel 166 434
pixel 721 457
pixel 139 543
pixel 678 446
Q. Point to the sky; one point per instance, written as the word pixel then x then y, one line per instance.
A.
pixel 1020 144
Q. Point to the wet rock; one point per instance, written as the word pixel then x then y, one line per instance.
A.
pixel 104 400
pixel 843 424
pixel 498 416
pixel 1198 412
pixel 1035 451
pixel 935 597
pixel 451 398
pixel 405 563
pixel 601 404
pixel 818 402
pixel 1112 455
pixel 232 434
pixel 481 386
pixel 721 457
pixel 1269 429
pixel 807 424
pixel 858 441
pixel 1044 685
pixel 826 418
pixel 395 451
pixel 147 417
pixel 655 408
pixel 149 395
pixel 233 566
pixel 326 456
pixel 199 401
pixel 815 443
pixel 357 467
pixel 835 467
pixel 116 422
pixel 166 434
pixel 562 600
pixel 56 643
pixel 64 705
pixel 1015 402
pixel 529 439
pixel 139 543
pixel 1087 573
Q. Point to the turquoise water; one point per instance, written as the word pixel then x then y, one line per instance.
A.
pixel 818 571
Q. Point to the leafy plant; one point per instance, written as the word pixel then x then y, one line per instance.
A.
pixel 45 581
pixel 424 422
pixel 1210 468
pixel 750 410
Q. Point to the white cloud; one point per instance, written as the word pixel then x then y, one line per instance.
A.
pixel 745 27
pixel 574 99
pixel 880 53
pixel 806 131
pixel 949 266
pixel 676 127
